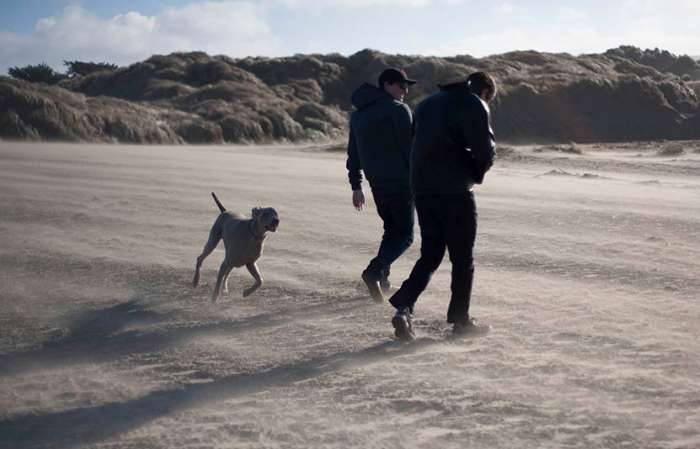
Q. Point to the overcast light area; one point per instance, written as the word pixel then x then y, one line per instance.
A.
pixel 126 31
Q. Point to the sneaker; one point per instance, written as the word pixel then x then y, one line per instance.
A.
pixel 372 284
pixel 403 329
pixel 470 327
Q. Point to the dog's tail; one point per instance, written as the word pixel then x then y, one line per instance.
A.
pixel 218 203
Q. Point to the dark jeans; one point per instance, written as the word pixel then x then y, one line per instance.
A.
pixel 395 208
pixel 446 221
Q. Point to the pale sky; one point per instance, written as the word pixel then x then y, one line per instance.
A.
pixel 126 31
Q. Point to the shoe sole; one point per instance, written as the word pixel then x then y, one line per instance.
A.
pixel 402 330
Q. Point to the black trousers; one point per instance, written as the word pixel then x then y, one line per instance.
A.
pixel 395 208
pixel 446 222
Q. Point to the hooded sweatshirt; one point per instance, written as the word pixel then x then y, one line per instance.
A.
pixel 454 145
pixel 380 140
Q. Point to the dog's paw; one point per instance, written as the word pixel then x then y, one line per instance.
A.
pixel 251 289
pixel 248 291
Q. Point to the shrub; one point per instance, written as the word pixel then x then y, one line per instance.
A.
pixel 39 73
pixel 80 68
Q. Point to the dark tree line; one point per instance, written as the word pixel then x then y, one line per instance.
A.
pixel 80 68
pixel 43 73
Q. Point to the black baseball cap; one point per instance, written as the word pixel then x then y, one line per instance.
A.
pixel 393 75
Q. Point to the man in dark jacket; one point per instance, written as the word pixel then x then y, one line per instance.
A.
pixel 453 148
pixel 379 145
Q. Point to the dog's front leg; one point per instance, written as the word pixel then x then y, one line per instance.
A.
pixel 253 269
pixel 224 283
pixel 224 270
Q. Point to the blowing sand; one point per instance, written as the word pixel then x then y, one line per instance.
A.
pixel 588 268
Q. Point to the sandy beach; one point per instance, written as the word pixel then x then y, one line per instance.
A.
pixel 587 267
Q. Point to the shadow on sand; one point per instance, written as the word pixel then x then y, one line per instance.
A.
pixel 121 330
pixel 97 337
pixel 93 424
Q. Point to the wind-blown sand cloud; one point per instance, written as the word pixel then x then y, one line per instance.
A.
pixel 588 275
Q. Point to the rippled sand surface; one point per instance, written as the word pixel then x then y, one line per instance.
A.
pixel 587 267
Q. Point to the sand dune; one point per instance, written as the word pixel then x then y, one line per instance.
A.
pixel 587 268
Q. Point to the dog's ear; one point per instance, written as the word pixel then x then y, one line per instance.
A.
pixel 255 212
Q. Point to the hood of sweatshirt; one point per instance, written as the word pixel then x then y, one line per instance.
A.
pixel 367 94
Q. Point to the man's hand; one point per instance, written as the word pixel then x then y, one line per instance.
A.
pixel 358 199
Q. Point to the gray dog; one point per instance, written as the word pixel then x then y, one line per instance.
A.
pixel 243 240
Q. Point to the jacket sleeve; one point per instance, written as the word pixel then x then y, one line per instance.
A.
pixel 403 127
pixel 353 163
pixel 481 140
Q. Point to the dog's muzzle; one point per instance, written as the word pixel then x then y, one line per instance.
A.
pixel 273 225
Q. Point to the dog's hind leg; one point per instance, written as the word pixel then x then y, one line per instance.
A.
pixel 214 238
pixel 253 269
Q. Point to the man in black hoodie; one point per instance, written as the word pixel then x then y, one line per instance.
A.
pixel 379 145
pixel 453 148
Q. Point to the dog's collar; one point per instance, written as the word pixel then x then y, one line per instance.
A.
pixel 251 228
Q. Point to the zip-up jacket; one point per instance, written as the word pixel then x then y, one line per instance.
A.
pixel 380 140
pixel 454 145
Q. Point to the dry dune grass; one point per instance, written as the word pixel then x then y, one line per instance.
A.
pixel 590 283
pixel 622 94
